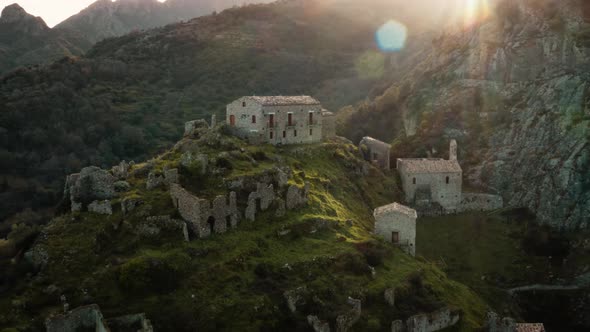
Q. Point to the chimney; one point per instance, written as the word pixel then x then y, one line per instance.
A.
pixel 453 150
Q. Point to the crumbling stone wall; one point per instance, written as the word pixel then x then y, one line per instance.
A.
pixel 265 194
pixel 87 318
pixel 203 217
pixel 435 321
pixel 376 152
pixel 480 202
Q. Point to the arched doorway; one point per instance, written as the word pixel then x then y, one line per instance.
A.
pixel 211 223
pixel 232 120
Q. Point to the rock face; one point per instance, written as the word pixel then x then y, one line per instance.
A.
pixel 101 207
pixel 105 18
pixel 345 322
pixel 83 318
pixel 521 78
pixel 91 184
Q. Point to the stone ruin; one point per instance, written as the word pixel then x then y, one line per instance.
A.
pixel 202 216
pixel 90 318
pixel 206 218
pixel 434 321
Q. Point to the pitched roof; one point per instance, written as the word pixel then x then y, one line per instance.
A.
pixel 424 165
pixel 529 327
pixel 395 207
pixel 372 141
pixel 284 100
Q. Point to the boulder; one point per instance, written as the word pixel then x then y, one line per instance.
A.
pixel 129 204
pixel 171 175
pixel 90 185
pixel 154 181
pixel 398 326
pixel 195 127
pixel 295 297
pixel 390 296
pixel 101 207
pixel 122 186
pixel 121 171
pixel 317 324
pixel 345 322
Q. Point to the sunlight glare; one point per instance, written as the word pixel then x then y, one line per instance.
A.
pixel 475 11
pixel 391 36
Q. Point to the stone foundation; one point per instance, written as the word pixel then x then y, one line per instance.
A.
pixel 480 202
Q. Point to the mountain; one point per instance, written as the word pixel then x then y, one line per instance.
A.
pixel 129 96
pixel 26 40
pixel 106 18
pixel 513 90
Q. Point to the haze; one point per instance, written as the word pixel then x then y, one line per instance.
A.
pixel 54 11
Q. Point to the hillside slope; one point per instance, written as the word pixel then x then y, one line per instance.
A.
pixel 513 91
pixel 316 255
pixel 105 18
pixel 130 95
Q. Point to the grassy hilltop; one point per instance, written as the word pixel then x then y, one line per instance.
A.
pixel 235 281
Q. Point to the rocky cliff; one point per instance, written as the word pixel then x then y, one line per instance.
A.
pixel 514 91
pixel 106 18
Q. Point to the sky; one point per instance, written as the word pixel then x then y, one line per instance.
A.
pixel 52 11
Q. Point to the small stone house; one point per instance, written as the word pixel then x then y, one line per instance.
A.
pixel 396 223
pixel 433 180
pixel 279 119
pixel 376 152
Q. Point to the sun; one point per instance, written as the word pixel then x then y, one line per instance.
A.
pixel 475 11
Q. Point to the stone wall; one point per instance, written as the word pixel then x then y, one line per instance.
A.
pixel 205 218
pixel 404 224
pixel 480 202
pixel 435 321
pixel 299 132
pixel 328 125
pixel 446 194
pixel 87 318
pixel 376 152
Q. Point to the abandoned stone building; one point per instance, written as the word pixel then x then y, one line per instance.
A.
pixel 279 119
pixel 376 152
pixel 396 223
pixel 426 180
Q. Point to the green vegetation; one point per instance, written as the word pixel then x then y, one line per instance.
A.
pixel 494 252
pixel 236 281
pixel 129 97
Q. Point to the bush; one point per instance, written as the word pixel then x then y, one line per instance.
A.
pixel 223 162
pixel 149 272
pixel 373 251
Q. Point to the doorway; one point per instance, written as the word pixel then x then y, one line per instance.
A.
pixel 211 223
pixel 395 237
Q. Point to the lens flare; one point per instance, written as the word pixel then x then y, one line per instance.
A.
pixel 391 36
pixel 475 11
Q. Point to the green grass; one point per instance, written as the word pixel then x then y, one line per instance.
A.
pixel 482 251
pixel 242 274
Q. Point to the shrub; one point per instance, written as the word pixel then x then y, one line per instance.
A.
pixel 153 272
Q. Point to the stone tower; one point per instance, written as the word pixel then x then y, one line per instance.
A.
pixel 453 150
pixel 213 121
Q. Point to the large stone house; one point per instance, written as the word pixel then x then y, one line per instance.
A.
pixel 396 223
pixel 279 119
pixel 433 180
